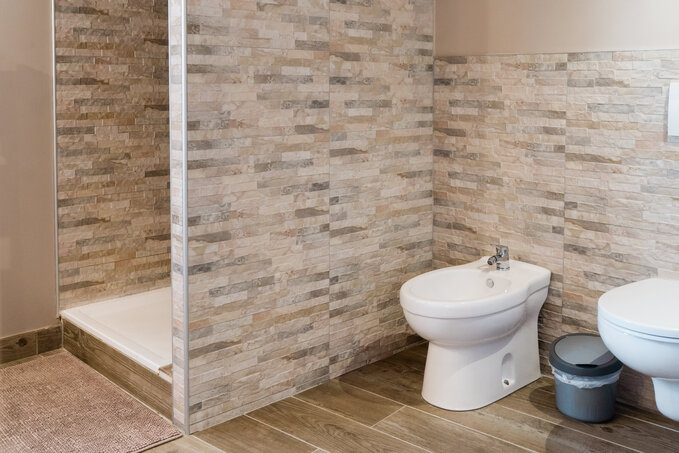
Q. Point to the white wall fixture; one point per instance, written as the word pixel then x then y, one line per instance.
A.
pixel 673 111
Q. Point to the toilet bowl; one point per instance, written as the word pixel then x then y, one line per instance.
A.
pixel 481 324
pixel 639 323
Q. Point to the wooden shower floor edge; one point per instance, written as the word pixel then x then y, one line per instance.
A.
pixel 151 388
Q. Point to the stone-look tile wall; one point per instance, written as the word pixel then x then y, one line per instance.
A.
pixel 177 155
pixel 564 158
pixel 309 191
pixel 112 141
pixel 380 171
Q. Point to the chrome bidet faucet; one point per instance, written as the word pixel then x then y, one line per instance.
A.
pixel 501 257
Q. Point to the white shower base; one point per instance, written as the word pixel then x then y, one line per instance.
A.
pixel 139 326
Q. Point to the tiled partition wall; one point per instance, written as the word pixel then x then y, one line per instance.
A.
pixel 112 142
pixel 178 215
pixel 564 158
pixel 308 156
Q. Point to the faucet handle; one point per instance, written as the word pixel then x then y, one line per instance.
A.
pixel 501 251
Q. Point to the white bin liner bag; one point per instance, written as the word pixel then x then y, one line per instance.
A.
pixel 586 382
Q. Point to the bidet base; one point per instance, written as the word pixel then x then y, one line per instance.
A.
pixel 470 377
pixel 667 397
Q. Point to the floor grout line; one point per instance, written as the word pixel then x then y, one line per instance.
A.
pixel 650 423
pixel 445 419
pixel 363 424
pixel 384 418
pixel 284 432
pixel 206 443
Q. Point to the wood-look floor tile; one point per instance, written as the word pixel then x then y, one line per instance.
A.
pixel 420 349
pixel 243 434
pixel 538 401
pixel 188 444
pixel 524 430
pixel 396 380
pixel 648 417
pixel 439 435
pixel 547 384
pixel 350 401
pixel 408 359
pixel 326 430
pixel 399 381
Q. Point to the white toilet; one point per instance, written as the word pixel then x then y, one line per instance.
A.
pixel 481 324
pixel 639 323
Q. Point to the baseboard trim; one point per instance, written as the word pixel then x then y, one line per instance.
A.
pixel 28 344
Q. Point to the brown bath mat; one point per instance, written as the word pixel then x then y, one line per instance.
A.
pixel 58 404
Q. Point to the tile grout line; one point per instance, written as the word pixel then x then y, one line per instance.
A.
pixel 446 420
pixel 384 418
pixel 364 425
pixel 676 430
pixel 204 442
pixel 283 432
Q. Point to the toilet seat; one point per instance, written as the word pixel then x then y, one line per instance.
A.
pixel 639 308
pixel 634 333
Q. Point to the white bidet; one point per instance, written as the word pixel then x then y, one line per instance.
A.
pixel 481 324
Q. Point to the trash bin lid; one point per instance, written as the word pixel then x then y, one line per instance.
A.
pixel 582 354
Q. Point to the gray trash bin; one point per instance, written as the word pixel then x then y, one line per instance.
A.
pixel 585 376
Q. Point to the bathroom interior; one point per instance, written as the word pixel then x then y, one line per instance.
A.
pixel 338 225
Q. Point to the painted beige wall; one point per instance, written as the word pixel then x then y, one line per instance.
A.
pixel 27 259
pixel 477 27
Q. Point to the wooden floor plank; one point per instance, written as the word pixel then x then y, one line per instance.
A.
pixel 538 401
pixel 410 358
pixel 547 384
pixel 520 429
pixel 326 430
pixel 350 401
pixel 396 380
pixel 421 349
pixel 438 435
pixel 648 417
pixel 188 444
pixel 244 434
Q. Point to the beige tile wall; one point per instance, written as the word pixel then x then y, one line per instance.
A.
pixel 112 140
pixel 564 158
pixel 177 155
pixel 380 171
pixel 309 191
